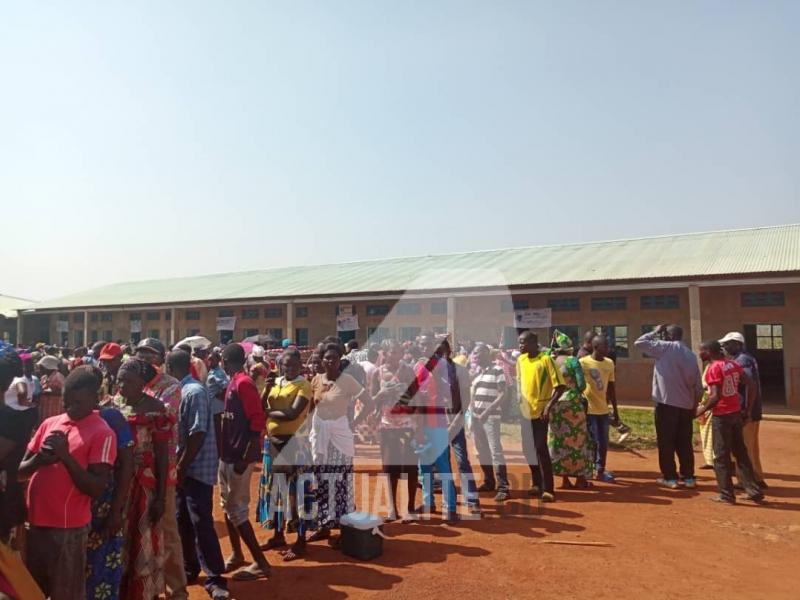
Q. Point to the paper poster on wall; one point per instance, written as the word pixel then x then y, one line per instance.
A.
pixel 136 327
pixel 62 326
pixel 345 310
pixel 347 323
pixel 533 318
pixel 226 323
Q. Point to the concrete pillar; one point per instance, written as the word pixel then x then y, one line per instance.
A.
pixel 86 328
pixel 289 333
pixel 451 319
pixel 695 322
pixel 172 339
pixel 20 328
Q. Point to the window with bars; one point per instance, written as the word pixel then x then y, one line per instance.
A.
pixel 78 318
pixel 135 317
pixel 275 332
pixel 106 317
pixel 168 315
pixel 192 315
pixel 564 304
pixel 225 312
pixel 190 332
pixel 301 312
pixel 409 334
pixel 660 301
pixel 154 333
pixel 377 310
pixel 250 332
pixel 378 334
pixel 301 336
pixel 93 336
pixel 439 308
pixel 750 299
pixel 610 303
pixel 108 335
pixel 769 337
pixel 250 313
pixel 617 336
pixel 273 312
pixel 94 317
pixel 508 306
pixel 408 308
pixel 153 316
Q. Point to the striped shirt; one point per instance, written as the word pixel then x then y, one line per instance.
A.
pixel 487 385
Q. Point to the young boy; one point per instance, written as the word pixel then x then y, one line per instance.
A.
pixel 722 378
pixel 69 459
pixel 598 371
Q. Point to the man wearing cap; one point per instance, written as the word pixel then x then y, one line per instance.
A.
pixel 167 389
pixel 110 359
pixel 50 402
pixel 259 371
pixel 734 345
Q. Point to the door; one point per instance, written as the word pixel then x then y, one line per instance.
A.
pixel 765 342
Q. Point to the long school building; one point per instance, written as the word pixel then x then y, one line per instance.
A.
pixel 709 283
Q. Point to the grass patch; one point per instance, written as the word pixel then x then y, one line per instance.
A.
pixel 642 437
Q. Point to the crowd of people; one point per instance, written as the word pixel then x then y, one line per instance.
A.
pixel 110 455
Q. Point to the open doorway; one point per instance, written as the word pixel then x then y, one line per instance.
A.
pixel 765 342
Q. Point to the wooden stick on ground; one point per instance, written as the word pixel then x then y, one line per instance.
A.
pixel 576 543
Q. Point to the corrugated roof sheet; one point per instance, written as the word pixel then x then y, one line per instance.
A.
pixel 10 304
pixel 711 254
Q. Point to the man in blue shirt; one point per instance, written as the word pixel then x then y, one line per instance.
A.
pixel 197 474
pixel 677 389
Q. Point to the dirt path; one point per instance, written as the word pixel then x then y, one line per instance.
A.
pixel 665 544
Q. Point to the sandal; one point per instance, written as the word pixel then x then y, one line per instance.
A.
pixel 319 535
pixel 273 544
pixel 294 553
pixel 234 563
pixel 251 573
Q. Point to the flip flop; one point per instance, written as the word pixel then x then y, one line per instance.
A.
pixel 232 565
pixel 271 544
pixel 248 575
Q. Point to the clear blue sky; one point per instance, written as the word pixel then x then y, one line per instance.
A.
pixel 155 139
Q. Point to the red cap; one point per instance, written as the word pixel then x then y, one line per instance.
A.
pixel 110 351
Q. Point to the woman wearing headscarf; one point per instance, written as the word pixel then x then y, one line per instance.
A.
pixel 568 437
pixel 152 428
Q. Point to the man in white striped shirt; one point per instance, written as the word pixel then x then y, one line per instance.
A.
pixel 488 392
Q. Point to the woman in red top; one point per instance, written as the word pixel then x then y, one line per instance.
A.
pixel 152 427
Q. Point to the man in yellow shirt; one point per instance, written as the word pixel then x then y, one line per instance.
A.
pixel 599 372
pixel 540 386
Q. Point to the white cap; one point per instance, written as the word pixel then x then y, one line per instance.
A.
pixel 733 336
pixel 258 352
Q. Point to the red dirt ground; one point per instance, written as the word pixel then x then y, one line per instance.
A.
pixel 665 544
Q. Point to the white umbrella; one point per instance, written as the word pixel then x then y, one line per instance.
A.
pixel 195 342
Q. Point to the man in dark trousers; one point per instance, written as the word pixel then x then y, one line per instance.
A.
pixel 677 389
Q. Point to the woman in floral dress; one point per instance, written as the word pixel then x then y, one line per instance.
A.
pixel 106 539
pixel 152 428
pixel 568 438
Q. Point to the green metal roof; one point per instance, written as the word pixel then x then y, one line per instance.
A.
pixel 10 304
pixel 764 250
